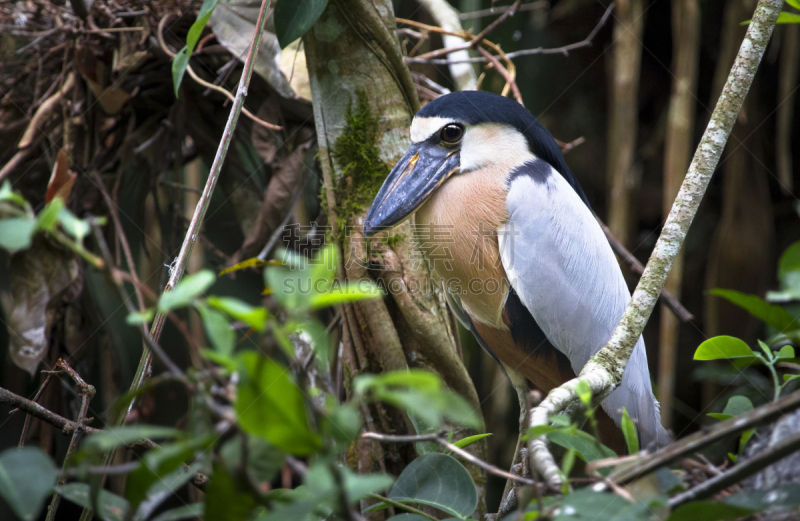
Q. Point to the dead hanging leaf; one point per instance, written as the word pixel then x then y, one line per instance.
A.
pixel 287 181
pixel 266 141
pixel 61 180
pixel 40 279
pixel 111 98
pixel 293 66
pixel 233 24
pixel 126 58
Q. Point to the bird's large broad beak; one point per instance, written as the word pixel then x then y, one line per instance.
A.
pixel 412 180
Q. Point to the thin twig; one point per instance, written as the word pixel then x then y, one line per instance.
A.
pixel 494 11
pixel 740 471
pixel 402 506
pixel 27 423
pixel 511 11
pixel 506 74
pixel 86 393
pixel 762 415
pixel 565 50
pixel 441 440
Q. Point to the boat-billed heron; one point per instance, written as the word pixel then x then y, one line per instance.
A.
pixel 523 262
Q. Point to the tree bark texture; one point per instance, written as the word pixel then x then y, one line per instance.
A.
pixel 358 79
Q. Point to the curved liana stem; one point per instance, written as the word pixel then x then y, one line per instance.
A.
pixel 603 372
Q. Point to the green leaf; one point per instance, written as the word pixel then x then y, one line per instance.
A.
pixel 736 405
pixel 114 437
pixel 782 497
pixel 439 481
pixel 9 195
pixel 264 460
pixel 790 258
pixel 414 378
pixel 78 228
pixel 253 316
pixel 540 430
pixel 216 324
pixel 588 448
pixel 16 233
pixel 110 507
pixel 140 317
pixel 266 386
pixel 48 217
pixel 796 5
pixel 786 351
pixel 293 19
pixel 344 293
pixel 228 362
pixel 186 290
pixel 723 347
pixel 156 465
pixel 27 477
pixel 708 511
pixel 469 440
pixel 587 504
pixel 775 316
pixel 224 500
pixel 767 351
pixel 197 27
pixel 629 431
pixel 584 392
pixel 162 489
pixel 788 18
pixel 343 423
pixel 190 511
pixel 179 64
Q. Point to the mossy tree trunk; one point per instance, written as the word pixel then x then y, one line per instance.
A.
pixel 364 100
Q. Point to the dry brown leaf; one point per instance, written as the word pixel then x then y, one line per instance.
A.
pixel 266 141
pixel 111 99
pixel 61 180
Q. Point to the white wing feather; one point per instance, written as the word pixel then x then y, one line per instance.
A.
pixel 564 271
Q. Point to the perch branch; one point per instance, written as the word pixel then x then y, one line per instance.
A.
pixel 448 18
pixel 603 371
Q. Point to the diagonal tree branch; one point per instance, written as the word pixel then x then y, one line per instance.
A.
pixel 604 370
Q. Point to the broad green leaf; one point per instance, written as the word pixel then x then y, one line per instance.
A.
pixel 708 511
pixel 266 386
pixel 162 489
pixel 786 497
pixel 16 233
pixel 156 465
pixel 264 460
pixel 224 500
pixel 588 448
pixel 788 18
pixel 437 480
pixel 140 317
pixel 414 378
pixel 790 258
pixel 796 5
pixel 343 423
pixel 27 477
pixel 114 437
pixel 48 217
pixel 786 351
pixel 775 316
pixel 78 228
pixel 110 507
pixel 723 347
pixel 540 430
pixel 9 195
pixel 323 267
pixel 190 511
pixel 253 316
pixel 179 64
pixel 469 440
pixel 216 324
pixel 293 19
pixel 187 290
pixel 736 405
pixel 584 392
pixel 586 504
pixel 629 431
pixel 568 462
pixel 197 27
pixel 342 293
pixel 321 481
pixel 228 362
pixel 767 351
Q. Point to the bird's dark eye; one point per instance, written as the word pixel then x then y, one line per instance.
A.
pixel 452 133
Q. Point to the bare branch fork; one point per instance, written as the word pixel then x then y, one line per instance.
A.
pixel 604 370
